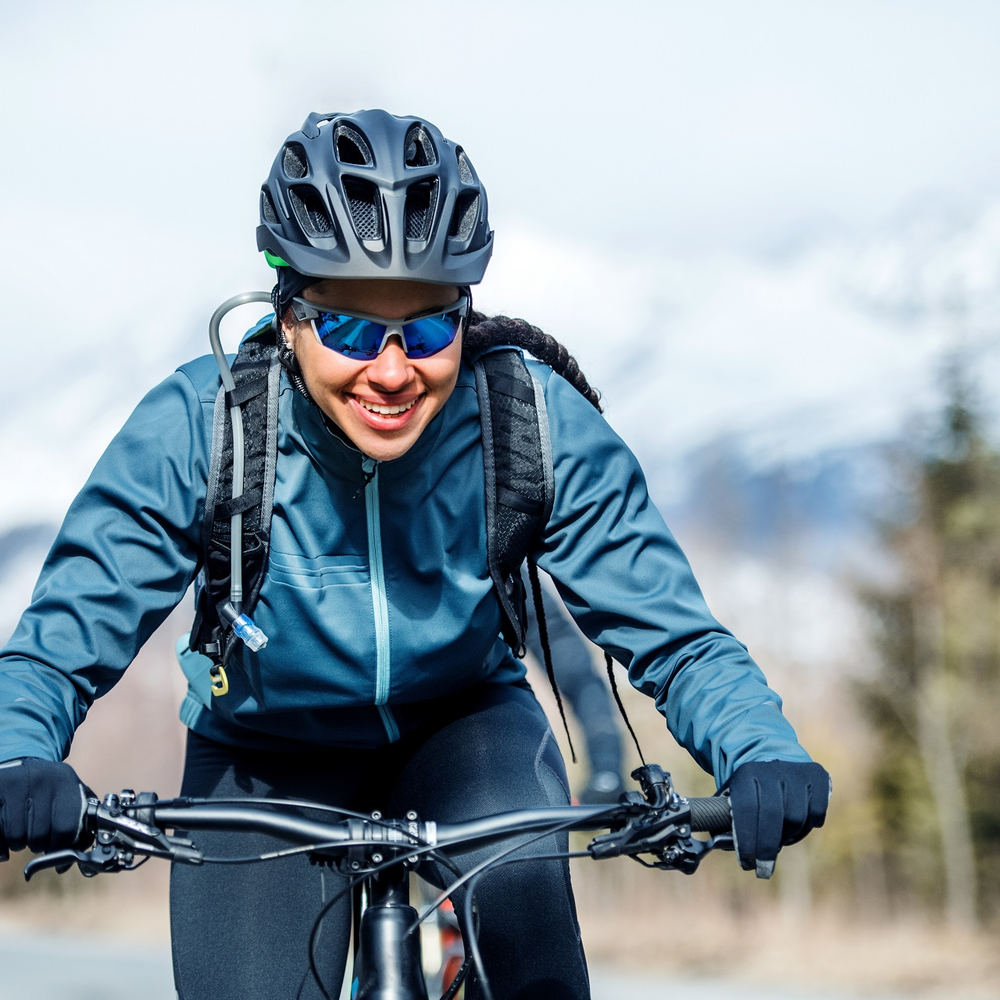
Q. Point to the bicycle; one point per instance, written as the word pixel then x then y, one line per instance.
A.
pixel 654 827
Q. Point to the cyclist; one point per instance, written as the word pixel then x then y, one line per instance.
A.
pixel 588 697
pixel 385 682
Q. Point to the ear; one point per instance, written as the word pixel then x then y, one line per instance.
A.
pixel 289 329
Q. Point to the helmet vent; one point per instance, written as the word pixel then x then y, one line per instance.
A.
pixel 421 200
pixel 465 173
pixel 419 149
pixel 363 202
pixel 294 162
pixel 463 221
pixel 267 206
pixel 310 211
pixel 352 147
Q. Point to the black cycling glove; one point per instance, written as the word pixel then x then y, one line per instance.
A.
pixel 775 802
pixel 42 805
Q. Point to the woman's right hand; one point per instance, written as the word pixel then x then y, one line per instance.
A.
pixel 42 806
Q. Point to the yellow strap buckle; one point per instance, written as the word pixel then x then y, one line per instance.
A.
pixel 220 682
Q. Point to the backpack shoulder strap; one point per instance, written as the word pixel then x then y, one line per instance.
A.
pixel 519 477
pixel 257 377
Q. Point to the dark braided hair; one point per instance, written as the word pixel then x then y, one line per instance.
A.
pixel 488 331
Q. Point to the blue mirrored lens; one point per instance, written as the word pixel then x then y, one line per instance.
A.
pixel 429 335
pixel 354 338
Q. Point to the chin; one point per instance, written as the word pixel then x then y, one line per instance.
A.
pixel 383 450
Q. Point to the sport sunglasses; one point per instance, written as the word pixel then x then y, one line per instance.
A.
pixel 363 337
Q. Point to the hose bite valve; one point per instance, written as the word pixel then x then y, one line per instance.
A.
pixel 245 628
pixel 243 625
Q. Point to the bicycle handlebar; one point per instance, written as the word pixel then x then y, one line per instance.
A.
pixel 657 825
pixel 708 815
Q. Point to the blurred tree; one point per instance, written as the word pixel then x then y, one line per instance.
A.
pixel 935 699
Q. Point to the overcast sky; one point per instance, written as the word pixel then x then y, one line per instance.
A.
pixel 682 125
pixel 650 165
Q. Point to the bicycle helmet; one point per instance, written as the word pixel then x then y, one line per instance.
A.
pixel 373 195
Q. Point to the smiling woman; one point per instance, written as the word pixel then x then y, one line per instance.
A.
pixel 417 453
pixel 382 405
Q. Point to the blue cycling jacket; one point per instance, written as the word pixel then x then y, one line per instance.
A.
pixel 377 599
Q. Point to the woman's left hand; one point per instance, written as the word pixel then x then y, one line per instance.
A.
pixel 775 803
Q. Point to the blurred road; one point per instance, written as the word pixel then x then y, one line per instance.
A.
pixel 39 968
pixel 63 968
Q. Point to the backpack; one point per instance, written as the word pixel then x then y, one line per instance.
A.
pixel 518 471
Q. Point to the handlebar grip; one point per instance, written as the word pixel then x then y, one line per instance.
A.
pixel 711 815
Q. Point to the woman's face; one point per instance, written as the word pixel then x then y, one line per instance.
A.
pixel 348 390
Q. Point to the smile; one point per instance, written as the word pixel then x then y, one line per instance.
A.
pixel 387 411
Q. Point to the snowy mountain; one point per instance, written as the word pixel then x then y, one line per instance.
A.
pixel 835 343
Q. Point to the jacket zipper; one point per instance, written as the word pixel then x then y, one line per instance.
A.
pixel 380 605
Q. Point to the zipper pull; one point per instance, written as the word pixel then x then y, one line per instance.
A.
pixel 368 469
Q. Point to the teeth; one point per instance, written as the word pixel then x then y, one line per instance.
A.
pixel 387 411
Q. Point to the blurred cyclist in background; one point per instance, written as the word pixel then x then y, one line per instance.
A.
pixel 581 683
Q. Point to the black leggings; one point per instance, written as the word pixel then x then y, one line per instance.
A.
pixel 240 932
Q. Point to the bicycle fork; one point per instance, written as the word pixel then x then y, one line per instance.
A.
pixel 387 963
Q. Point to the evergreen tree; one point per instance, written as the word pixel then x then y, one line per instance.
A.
pixel 934 702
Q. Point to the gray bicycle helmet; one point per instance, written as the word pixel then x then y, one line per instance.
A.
pixel 372 195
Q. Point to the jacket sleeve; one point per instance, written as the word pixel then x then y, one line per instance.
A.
pixel 124 557
pixel 630 588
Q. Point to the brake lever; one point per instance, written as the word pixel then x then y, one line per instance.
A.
pixel 100 858
pixel 119 839
pixel 660 826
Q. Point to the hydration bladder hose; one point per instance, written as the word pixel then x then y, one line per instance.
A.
pixel 242 624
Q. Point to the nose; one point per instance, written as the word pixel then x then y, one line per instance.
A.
pixel 391 370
